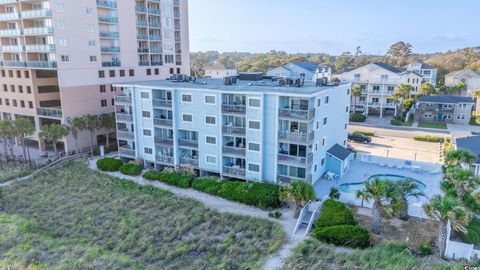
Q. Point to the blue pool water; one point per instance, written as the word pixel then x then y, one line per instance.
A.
pixel 353 187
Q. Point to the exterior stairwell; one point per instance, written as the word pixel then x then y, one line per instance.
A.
pixel 307 217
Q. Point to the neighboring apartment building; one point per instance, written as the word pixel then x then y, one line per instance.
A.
pixel 250 128
pixel 469 77
pixel 471 144
pixel 444 109
pixel 60 58
pixel 309 71
pixel 378 82
pixel 219 71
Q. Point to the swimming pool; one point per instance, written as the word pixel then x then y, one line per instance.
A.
pixel 353 187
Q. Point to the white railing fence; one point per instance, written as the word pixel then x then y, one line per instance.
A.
pixel 458 250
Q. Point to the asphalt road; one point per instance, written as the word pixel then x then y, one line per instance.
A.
pixel 397 132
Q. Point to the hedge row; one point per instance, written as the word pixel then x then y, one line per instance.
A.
pixel 357 117
pixel 131 169
pixel 171 178
pixel 428 138
pixel 109 164
pixel 336 225
pixel 334 213
pixel 257 194
pixel 344 235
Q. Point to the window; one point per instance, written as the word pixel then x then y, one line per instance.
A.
pixel 65 58
pixel 210 140
pixel 89 11
pixel 131 72
pixel 91 28
pixel 324 141
pixel 376 88
pixel 318 125
pixel 145 114
pixel 112 73
pixel 103 103
pixel 157 71
pixel 93 58
pixel 148 150
pixel 253 102
pixel 210 100
pixel 20 89
pixel 253 124
pixel 346 126
pixel 113 102
pixel 12 88
pixel 211 159
pixel 210 120
pixel 22 103
pixel 60 7
pixel 319 102
pixel 61 25
pixel 122 73
pixel 27 74
pixel 19 74
pixel 101 74
pixel 14 102
pixel 187 117
pixel 347 109
pixel 327 98
pixel 91 43
pixel 103 88
pixel 254 147
pixel 186 98
pixel 147 132
pixel 253 167
pixel 348 91
pixel 325 120
pixel 30 105
pixel 145 95
pixel 29 89
pixel 149 71
pixel 323 161
pixel 63 42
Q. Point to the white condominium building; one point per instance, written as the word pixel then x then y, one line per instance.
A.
pixel 378 81
pixel 59 58
pixel 248 127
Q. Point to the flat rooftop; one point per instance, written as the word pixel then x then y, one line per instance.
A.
pixel 264 86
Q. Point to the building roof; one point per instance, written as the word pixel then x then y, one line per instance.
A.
pixel 463 72
pixel 427 66
pixel 308 66
pixel 470 143
pixel 339 152
pixel 446 99
pixel 241 86
pixel 389 67
pixel 218 66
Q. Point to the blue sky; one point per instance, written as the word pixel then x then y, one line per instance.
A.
pixel 332 26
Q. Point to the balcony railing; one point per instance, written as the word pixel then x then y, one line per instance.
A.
pixel 285 179
pixel 144 63
pixel 111 63
pixel 296 137
pixel 154 24
pixel 50 112
pixel 166 160
pixel 155 37
pixel 125 135
pixel 36 13
pixel 233 130
pixel 297 114
pixel 123 100
pixel 110 49
pixel 142 36
pixel 107 19
pixel 164 141
pixel 3 2
pixel 163 122
pixel 14 63
pixel 38 31
pixel 40 48
pixel 140 9
pixel 109 34
pixel 188 143
pixel 234 172
pixel 10 32
pixel 236 151
pixel 189 161
pixel 162 103
pixel 153 11
pixel 12 48
pixel 9 16
pixel 106 4
pixel 125 151
pixel 295 160
pixel 141 23
pixel 123 117
pixel 237 109
pixel 42 64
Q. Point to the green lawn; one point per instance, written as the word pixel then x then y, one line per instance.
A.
pixel 9 171
pixel 313 254
pixel 74 218
pixel 432 125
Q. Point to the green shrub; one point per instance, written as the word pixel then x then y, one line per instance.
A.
pixel 396 122
pixel 357 117
pixel 344 235
pixel 275 214
pixel 257 194
pixel 131 169
pixel 428 138
pixel 366 133
pixel 425 249
pixel 170 178
pixel 473 233
pixel 109 164
pixel 334 213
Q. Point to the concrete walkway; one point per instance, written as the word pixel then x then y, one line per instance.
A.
pixel 287 222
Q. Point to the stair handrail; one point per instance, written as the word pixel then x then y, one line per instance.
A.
pixel 300 217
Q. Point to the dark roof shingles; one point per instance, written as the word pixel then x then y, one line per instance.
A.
pixel 339 152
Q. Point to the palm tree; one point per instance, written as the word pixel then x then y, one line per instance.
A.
pixel 91 124
pixel 459 157
pixel 334 193
pixel 444 208
pixel 356 92
pixel 427 89
pixel 375 190
pixel 6 131
pixel 462 180
pixel 460 86
pixel 404 189
pixel 298 192
pixel 24 128
pixel 107 121
pixel 401 93
pixel 76 125
pixel 53 133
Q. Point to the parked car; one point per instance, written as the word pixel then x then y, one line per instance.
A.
pixel 357 137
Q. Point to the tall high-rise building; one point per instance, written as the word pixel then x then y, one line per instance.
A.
pixel 59 59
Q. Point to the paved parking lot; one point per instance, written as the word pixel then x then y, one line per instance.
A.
pixel 400 147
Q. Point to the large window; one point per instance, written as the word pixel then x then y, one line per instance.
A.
pixel 187 98
pixel 253 167
pixel 253 124
pixel 253 102
pixel 211 159
pixel 210 140
pixel 210 120
pixel 209 99
pixel 254 147
pixel 187 118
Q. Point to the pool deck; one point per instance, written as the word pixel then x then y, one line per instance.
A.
pixel 360 171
